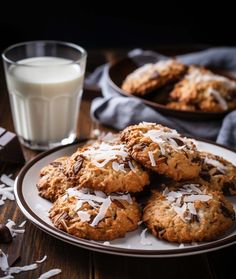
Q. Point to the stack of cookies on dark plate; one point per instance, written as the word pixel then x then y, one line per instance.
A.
pixel 190 88
pixel 93 190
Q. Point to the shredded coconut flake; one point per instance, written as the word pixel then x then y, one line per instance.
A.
pixel 216 94
pixel 216 164
pixel 182 201
pixel 107 243
pixel 152 159
pixel 181 245
pixel 7 277
pixel 131 166
pixel 84 216
pixel 50 273
pixel 22 224
pixel 102 212
pixel 97 199
pixel 144 241
pixel 100 155
pixel 14 231
pixel 7 180
pixel 18 269
pixel 42 260
pixel 3 261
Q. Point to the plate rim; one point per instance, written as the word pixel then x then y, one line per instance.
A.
pixel 100 247
pixel 198 115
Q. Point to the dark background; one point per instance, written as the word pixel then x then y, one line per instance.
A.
pixel 121 24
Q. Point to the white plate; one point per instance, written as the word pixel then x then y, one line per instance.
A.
pixel 35 209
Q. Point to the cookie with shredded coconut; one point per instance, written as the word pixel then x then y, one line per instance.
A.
pixel 107 167
pixel 188 213
pixel 203 90
pixel 153 76
pixel 218 173
pixel 52 182
pixel 162 150
pixel 94 215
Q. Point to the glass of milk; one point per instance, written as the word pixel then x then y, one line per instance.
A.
pixel 45 83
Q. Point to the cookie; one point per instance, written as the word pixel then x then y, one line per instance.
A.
pixel 94 215
pixel 188 213
pixel 162 150
pixel 153 76
pixel 218 173
pixel 52 182
pixel 106 167
pixel 202 90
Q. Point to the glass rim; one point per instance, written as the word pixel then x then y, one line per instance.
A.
pixel 68 44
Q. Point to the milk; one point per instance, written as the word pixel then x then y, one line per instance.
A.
pixel 45 94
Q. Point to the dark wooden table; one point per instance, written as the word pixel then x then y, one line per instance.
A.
pixel 80 263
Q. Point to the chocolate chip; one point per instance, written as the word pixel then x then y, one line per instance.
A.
pixel 205 176
pixel 78 164
pixel 196 160
pixel 159 231
pixel 226 212
pixel 217 172
pixel 194 218
pixel 55 164
pixel 162 159
pixel 5 234
pixel 118 204
pixel 178 141
pixel 227 186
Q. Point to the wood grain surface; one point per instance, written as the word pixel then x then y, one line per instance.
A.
pixel 80 263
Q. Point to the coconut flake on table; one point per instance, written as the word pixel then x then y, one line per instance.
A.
pixel 18 269
pixel 50 273
pixel 6 188
pixel 14 231
pixel 42 260
pixel 3 261
pixel 144 241
pixel 216 164
pixel 7 180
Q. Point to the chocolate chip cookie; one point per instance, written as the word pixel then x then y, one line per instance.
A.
pixel 188 213
pixel 152 76
pixel 162 150
pixel 94 215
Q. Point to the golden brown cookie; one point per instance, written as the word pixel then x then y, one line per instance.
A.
pixel 218 173
pixel 53 182
pixel 162 150
pixel 202 90
pixel 106 167
pixel 153 76
pixel 188 213
pixel 94 215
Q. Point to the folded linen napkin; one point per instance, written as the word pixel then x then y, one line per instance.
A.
pixel 118 111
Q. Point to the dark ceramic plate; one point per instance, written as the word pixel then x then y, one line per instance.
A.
pixel 157 99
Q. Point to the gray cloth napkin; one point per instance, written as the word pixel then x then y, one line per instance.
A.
pixel 118 111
